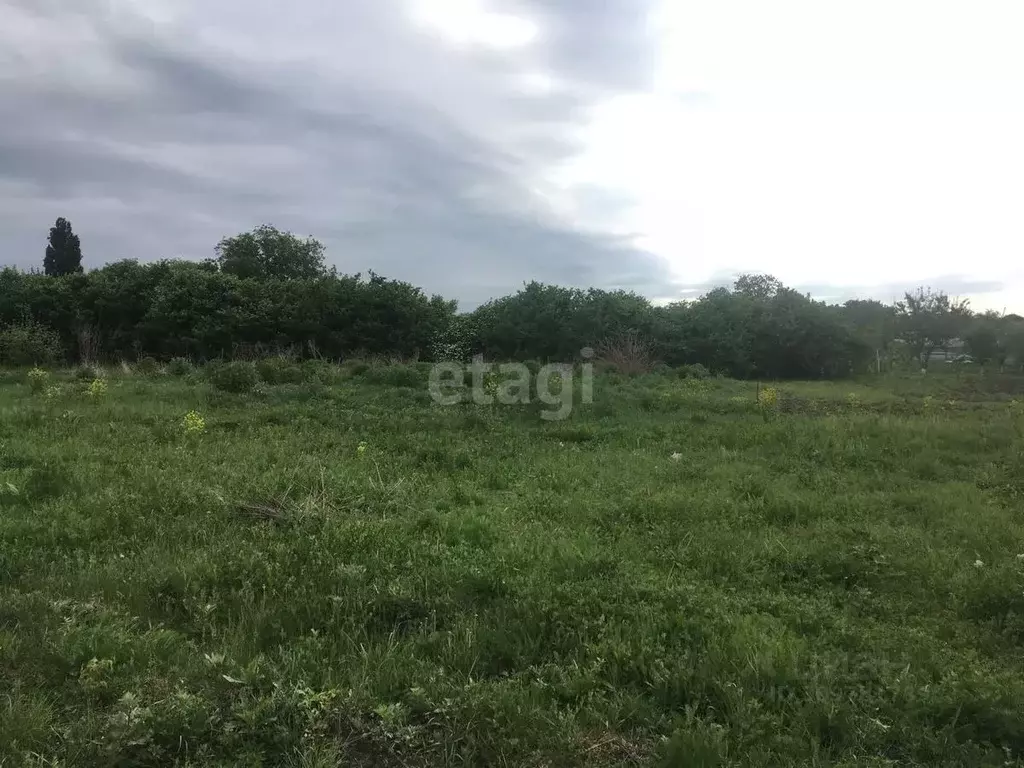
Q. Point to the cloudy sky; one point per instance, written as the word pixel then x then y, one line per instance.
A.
pixel 849 147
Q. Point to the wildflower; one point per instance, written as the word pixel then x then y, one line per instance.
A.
pixel 979 564
pixel 853 399
pixel 768 397
pixel 929 402
pixel 361 449
pixel 1020 556
pixel 98 388
pixel 52 393
pixel 676 456
pixel 37 379
pixel 193 423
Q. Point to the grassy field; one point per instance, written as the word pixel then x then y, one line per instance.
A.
pixel 342 573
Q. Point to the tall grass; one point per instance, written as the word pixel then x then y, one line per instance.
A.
pixel 339 572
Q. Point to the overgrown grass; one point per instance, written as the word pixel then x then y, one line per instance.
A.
pixel 669 577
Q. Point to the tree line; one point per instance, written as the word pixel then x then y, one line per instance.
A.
pixel 269 291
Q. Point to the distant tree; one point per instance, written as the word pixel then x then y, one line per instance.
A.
pixel 874 323
pixel 758 286
pixel 64 251
pixel 267 253
pixel 1012 343
pixel 928 320
pixel 983 343
pixel 985 339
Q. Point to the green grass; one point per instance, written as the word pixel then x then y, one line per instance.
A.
pixel 665 578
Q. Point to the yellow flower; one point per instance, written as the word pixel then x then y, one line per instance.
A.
pixel 768 398
pixel 361 449
pixel 193 423
pixel 853 399
pixel 98 388
pixel 37 379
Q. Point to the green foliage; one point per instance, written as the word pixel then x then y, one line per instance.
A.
pixel 37 380
pixel 235 377
pixel 927 320
pixel 29 343
pixel 873 324
pixel 86 373
pixel 182 309
pixel 64 251
pixel 694 371
pixel 266 253
pixel 761 331
pixel 363 578
pixel 554 324
pixel 180 366
pixel 396 376
pixel 279 370
pixel 147 366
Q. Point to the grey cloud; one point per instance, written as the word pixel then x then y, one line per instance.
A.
pixel 605 44
pixel 402 155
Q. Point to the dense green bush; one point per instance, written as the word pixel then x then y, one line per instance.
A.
pixel 29 343
pixel 355 367
pixel 694 371
pixel 236 377
pixel 279 370
pixel 179 366
pixel 318 372
pixel 183 309
pixel 177 309
pixel 147 366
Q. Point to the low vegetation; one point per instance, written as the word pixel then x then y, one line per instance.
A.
pixel 303 564
pixel 270 293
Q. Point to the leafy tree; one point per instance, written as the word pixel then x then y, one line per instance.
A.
pixel 549 322
pixel 267 253
pixel 64 251
pixel 873 323
pixel 929 320
pixel 985 339
pixel 758 286
pixel 1013 343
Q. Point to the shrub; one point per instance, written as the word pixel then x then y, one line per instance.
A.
pixel 180 366
pixel 86 373
pixel 236 377
pixel 29 344
pixel 147 366
pixel 628 353
pixel 37 379
pixel 356 367
pixel 318 371
pixel 694 371
pixel 279 370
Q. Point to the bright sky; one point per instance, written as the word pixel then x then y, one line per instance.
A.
pixel 858 143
